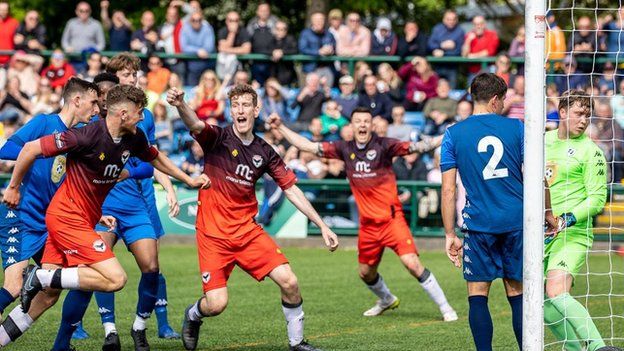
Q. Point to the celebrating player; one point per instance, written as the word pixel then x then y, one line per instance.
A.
pixel 96 155
pixel 576 172
pixel 487 150
pixel 382 223
pixel 227 234
pixel 23 231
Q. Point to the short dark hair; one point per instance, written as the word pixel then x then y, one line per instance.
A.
pixel 485 86
pixel 124 60
pixel 361 110
pixel 106 77
pixel 125 93
pixel 77 85
pixel 575 96
pixel 242 89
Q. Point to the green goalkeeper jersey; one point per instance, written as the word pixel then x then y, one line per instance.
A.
pixel 576 172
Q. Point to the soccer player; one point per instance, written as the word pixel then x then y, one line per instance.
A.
pixel 576 172
pixel 23 231
pixel 368 162
pixel 227 235
pixel 75 256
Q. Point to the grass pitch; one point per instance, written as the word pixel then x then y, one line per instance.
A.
pixel 334 301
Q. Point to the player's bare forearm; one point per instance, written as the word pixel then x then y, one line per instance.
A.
pixel 189 117
pixel 164 164
pixel 448 201
pixel 297 197
pixel 299 141
pixel 163 180
pixel 25 159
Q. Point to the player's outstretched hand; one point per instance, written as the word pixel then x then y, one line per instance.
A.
pixel 202 182
pixel 274 120
pixel 11 197
pixel 552 226
pixel 454 249
pixel 175 97
pixel 172 201
pixel 331 239
pixel 109 222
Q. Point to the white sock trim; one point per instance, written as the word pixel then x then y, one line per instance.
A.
pixel 69 278
pixel 109 327
pixel 294 324
pixel 139 323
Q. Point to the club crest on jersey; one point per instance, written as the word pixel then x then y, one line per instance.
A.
pixel 99 245
pixel 58 169
pixel 550 172
pixel 205 277
pixel 257 160
pixel 125 156
pixel 371 154
pixel 234 152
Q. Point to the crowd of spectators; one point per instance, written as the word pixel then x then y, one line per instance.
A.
pixel 409 99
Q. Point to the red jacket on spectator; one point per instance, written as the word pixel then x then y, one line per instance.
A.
pixel 58 76
pixel 414 83
pixel 8 27
pixel 176 37
pixel 488 41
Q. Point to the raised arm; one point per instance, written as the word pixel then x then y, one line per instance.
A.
pixel 296 196
pixel 175 97
pixel 164 164
pixel 294 138
pixel 26 157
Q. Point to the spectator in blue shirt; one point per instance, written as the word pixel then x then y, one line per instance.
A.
pixel 317 41
pixel 447 39
pixel 119 28
pixel 197 37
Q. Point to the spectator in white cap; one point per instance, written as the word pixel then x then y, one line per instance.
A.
pixel 384 40
pixel 347 100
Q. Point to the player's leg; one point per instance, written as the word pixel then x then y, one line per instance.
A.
pixel 164 329
pixel 213 303
pixel 370 251
pixel 479 316
pixel 74 307
pixel 510 244
pixel 513 289
pixel 12 283
pixel 145 252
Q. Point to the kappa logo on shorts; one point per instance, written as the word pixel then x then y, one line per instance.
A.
pixel 99 245
pixel 205 277
pixel 10 214
pixel 13 230
pixel 467 259
pixel 467 271
pixel 11 250
pixel 371 154
pixel 12 240
pixel 466 247
pixel 257 160
pixel 11 260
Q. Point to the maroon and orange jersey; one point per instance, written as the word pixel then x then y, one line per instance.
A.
pixel 227 209
pixel 369 170
pixel 94 162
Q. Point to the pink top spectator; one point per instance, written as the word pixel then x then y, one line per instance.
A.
pixel 414 82
pixel 353 39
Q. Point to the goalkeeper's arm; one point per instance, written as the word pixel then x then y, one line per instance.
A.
pixel 595 183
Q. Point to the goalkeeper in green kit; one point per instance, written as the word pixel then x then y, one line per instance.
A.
pixel 576 172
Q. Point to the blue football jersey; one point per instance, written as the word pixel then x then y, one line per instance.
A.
pixel 46 174
pixel 127 196
pixel 487 150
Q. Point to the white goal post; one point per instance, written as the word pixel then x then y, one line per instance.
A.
pixel 535 114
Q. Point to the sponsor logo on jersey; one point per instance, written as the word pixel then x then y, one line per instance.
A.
pixel 57 140
pixel 257 160
pixel 244 171
pixel 10 260
pixel 362 166
pixel 11 250
pixel 112 171
pixel 70 252
pixel 12 240
pixel 234 152
pixel 102 156
pixel 58 168
pixel 371 154
pixel 352 156
pixel 13 230
pixel 125 156
pixel 99 245
pixel 10 214
pixel 205 277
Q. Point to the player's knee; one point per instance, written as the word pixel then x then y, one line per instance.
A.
pixel 117 281
pixel 290 284
pixel 13 286
pixel 50 296
pixel 217 305
pixel 150 267
pixel 367 274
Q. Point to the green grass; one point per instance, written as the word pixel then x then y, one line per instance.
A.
pixel 334 301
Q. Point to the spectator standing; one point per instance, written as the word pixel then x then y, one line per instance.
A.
pixel 94 67
pixel 234 38
pixel 119 28
pixel 8 27
pixel 311 98
pixel 354 39
pixel 514 102
pixel 413 42
pixel 421 83
pixel 158 75
pixel 439 110
pixel 555 40
pixel 617 105
pixel 379 103
pixel 332 121
pixel 335 22
pixel 83 32
pixel 58 72
pixel 206 102
pixel 447 39
pixel 31 34
pixel 317 41
pixel 517 47
pixel 583 43
pixel 479 42
pixel 169 37
pixel 398 129
pixel 285 44
pixel 389 82
pixel 348 99
pixel 262 42
pixel 384 40
pixel 144 40
pixel 612 28
pixel 197 38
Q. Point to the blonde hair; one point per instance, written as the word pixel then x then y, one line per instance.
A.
pixel 202 92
